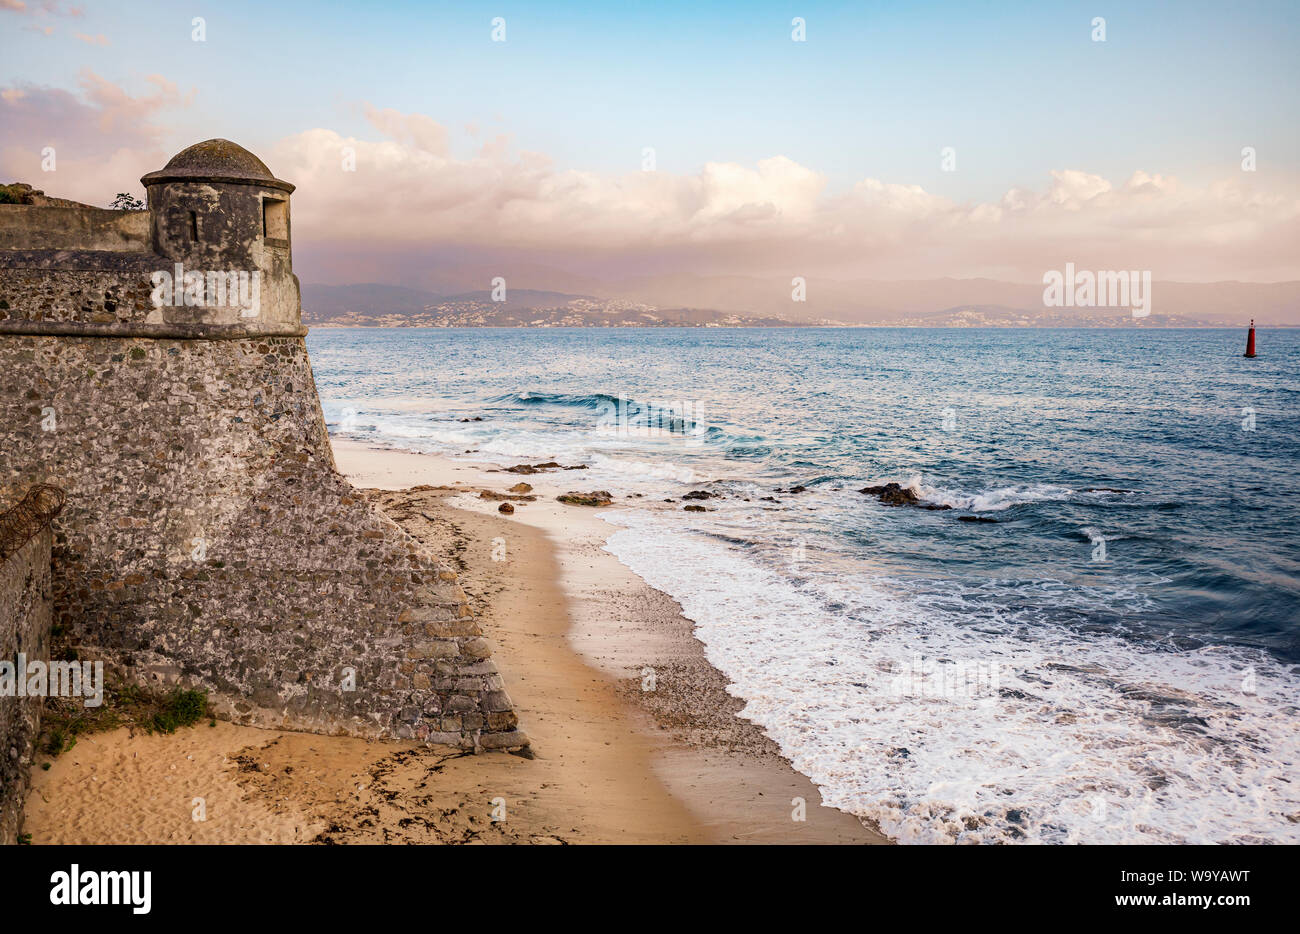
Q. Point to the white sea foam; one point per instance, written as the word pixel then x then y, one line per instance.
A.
pixel 628 469
pixel 606 453
pixel 942 730
pixel 994 500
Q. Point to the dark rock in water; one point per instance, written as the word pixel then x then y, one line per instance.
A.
pixel 506 508
pixel 538 468
pixel 975 519
pixel 1014 816
pixel 594 498
pixel 521 487
pixel 476 418
pixel 769 499
pixel 794 489
pixel 532 468
pixel 891 494
pixel 695 509
pixel 700 494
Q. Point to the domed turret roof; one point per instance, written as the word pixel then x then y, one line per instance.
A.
pixel 216 160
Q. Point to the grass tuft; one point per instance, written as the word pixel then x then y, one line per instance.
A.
pixel 129 705
pixel 181 708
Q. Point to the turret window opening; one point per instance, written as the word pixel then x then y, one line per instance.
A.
pixel 275 219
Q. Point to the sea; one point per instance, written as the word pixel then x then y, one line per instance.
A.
pixel 1097 641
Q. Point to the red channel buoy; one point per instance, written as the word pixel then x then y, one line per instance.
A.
pixel 1250 340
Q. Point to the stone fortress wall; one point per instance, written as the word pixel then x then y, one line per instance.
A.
pixel 207 538
pixel 26 621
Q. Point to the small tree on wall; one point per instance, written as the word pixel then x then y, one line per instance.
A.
pixel 124 202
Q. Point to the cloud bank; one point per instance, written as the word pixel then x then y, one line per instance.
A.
pixel 408 192
pixel 103 137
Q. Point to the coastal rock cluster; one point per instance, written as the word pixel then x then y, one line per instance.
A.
pixel 542 468
pixel 594 498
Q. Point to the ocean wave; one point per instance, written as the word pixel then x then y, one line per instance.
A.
pixel 580 400
pixel 623 413
pixel 942 731
pixel 1001 498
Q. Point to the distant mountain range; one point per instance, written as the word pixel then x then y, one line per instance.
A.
pixel 748 302
pixel 1000 316
pixel 518 298
pixel 321 303
pixel 900 302
pixel 376 305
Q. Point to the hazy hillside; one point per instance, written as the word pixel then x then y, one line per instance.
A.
pixel 517 298
pixel 875 302
pixel 324 302
pixel 1000 316
pixel 704 301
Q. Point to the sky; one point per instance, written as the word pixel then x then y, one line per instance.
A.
pixel 768 155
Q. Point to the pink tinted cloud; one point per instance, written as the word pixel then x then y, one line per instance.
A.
pixel 42 8
pixel 409 193
pixel 417 131
pixel 104 137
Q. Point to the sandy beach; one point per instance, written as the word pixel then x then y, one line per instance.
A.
pixel 634 736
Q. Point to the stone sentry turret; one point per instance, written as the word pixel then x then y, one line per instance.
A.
pixel 216 208
pixel 207 538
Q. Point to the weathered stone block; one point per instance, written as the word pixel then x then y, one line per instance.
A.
pixel 436 648
pixel 515 739
pixel 477 648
